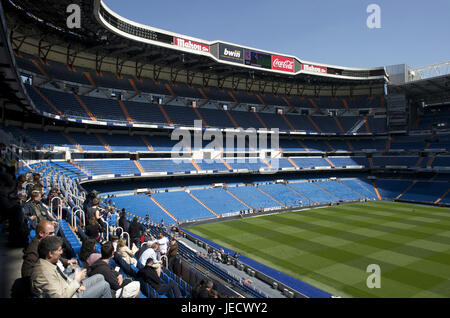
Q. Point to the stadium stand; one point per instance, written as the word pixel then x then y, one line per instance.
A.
pixel 89 128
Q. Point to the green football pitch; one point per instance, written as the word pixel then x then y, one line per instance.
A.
pixel 331 248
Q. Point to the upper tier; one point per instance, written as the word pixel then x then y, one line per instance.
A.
pixel 96 109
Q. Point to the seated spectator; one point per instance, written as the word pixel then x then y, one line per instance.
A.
pixel 88 252
pixel 204 291
pixel 149 253
pixel 55 193
pixel 30 257
pixel 151 274
pixel 126 253
pixel 35 211
pixel 120 288
pixel 214 294
pixel 246 282
pixel 49 281
pixel 115 241
pixel 93 229
pixel 198 288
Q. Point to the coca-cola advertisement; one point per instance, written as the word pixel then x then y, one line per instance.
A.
pixel 314 68
pixel 191 45
pixel 281 63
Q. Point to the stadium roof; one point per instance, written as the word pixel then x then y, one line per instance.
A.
pixel 11 91
pixel 430 90
pixel 42 26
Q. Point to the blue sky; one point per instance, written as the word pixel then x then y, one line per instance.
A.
pixel 415 32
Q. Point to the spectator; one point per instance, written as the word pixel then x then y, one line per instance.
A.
pixel 172 254
pixel 246 282
pixel 136 230
pixel 88 202
pixel 35 211
pixel 149 253
pixel 204 291
pixel 198 288
pixel 163 243
pixel 113 219
pixel 11 210
pixel 123 222
pixel 95 211
pixel 48 280
pixel 30 257
pixel 115 241
pixel 214 294
pixel 55 193
pixel 88 252
pixel 126 253
pixel 93 229
pixel 151 274
pixel 121 288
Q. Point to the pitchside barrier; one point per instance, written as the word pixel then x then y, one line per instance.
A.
pixel 291 287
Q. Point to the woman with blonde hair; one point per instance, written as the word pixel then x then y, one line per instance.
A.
pixel 127 254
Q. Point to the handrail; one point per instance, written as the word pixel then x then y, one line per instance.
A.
pixel 73 219
pixel 115 230
pixel 107 232
pixel 82 217
pixel 129 240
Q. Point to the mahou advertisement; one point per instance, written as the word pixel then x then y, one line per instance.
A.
pixel 313 68
pixel 280 63
pixel 191 45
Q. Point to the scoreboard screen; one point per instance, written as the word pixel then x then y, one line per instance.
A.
pixel 258 59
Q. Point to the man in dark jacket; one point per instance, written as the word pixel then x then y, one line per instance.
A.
pixel 172 254
pixel 114 279
pixel 123 222
pixel 31 256
pixel 136 230
pixel 151 274
pixel 35 211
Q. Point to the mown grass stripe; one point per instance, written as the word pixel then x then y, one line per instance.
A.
pixel 331 247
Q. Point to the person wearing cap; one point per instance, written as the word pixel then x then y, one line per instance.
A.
pixel 151 274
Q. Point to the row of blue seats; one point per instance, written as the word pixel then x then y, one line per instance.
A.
pixel 96 108
pixel 178 205
pixel 146 143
